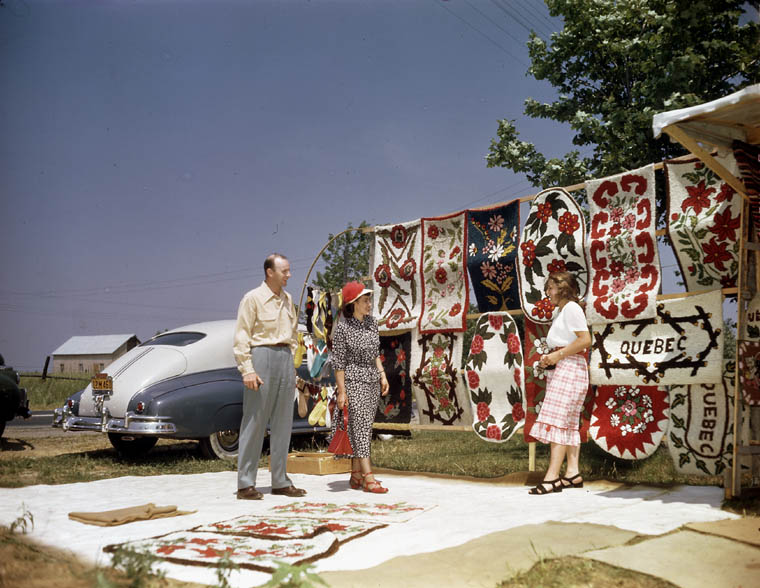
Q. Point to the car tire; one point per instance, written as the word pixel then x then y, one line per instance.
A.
pixel 220 445
pixel 2 427
pixel 129 446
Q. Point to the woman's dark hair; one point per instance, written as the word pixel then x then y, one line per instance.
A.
pixel 348 310
pixel 567 284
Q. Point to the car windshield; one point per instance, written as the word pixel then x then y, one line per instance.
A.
pixel 175 339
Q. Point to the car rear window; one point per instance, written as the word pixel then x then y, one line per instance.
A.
pixel 175 339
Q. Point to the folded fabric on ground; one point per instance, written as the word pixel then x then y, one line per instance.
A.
pixel 121 516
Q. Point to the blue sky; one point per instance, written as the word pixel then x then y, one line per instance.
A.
pixel 152 153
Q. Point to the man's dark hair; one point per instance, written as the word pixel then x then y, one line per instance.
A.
pixel 269 261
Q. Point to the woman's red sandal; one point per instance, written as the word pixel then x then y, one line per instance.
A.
pixel 372 486
pixel 355 481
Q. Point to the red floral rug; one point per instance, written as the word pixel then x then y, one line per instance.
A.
pixel 704 216
pixel 396 355
pixel 274 529
pixel 445 288
pixel 629 421
pixel 749 371
pixel 436 381
pixel 494 372
pixel 373 512
pixel 552 240
pixel 625 264
pixel 397 287
pixel 683 345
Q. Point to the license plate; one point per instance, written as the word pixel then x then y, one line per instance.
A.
pixel 102 383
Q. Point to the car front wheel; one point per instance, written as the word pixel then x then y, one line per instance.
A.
pixel 130 446
pixel 220 445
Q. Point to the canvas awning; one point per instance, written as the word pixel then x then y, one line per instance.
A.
pixel 715 124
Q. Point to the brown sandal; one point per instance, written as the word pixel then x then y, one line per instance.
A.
pixel 571 483
pixel 540 490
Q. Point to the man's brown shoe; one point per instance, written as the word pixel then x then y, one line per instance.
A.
pixel 249 493
pixel 291 491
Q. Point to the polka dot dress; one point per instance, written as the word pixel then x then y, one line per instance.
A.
pixel 356 346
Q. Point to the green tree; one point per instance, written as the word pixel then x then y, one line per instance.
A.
pixel 614 65
pixel 346 258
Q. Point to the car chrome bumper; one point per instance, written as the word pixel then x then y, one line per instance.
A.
pixel 132 423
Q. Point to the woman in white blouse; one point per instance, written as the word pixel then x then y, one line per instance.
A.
pixel 566 387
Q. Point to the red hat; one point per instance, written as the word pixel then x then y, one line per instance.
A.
pixel 352 291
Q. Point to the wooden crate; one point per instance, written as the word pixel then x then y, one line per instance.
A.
pixel 316 463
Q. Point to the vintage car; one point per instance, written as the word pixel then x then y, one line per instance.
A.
pixel 13 400
pixel 181 384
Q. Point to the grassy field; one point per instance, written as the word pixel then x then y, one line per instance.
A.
pixel 51 392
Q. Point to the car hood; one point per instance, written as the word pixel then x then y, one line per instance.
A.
pixel 132 372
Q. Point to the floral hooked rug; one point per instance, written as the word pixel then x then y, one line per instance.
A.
pixel 683 344
pixel 445 288
pixel 372 512
pixel 700 431
pixel 625 264
pixel 552 240
pixel 629 421
pixel 749 371
pixel 397 288
pixel 437 383
pixel 494 372
pixel 704 216
pixel 274 529
pixel 492 256
pixel 396 353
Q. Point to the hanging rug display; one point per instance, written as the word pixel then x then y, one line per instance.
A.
pixel 748 161
pixel 372 512
pixel 683 344
pixel 629 422
pixel 492 256
pixel 701 427
pixel 622 249
pixel 552 240
pixel 704 217
pixel 436 381
pixel 396 355
pixel 494 374
pixel 750 330
pixel 445 288
pixel 217 549
pixel 749 371
pixel 395 268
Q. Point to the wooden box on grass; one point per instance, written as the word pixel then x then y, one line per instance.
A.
pixel 316 463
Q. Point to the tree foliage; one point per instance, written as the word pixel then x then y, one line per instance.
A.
pixel 345 259
pixel 615 64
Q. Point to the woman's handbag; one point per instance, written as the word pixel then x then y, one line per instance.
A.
pixel 340 444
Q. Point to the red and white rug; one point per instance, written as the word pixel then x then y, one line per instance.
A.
pixel 552 240
pixel 277 528
pixel 395 267
pixel 704 217
pixel 445 288
pixel 629 421
pixel 372 512
pixel 494 373
pixel 749 371
pixel 622 248
pixel 683 345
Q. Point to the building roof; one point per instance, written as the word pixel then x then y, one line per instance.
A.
pixel 92 344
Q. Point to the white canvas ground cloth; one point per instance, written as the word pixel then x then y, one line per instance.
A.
pixel 466 510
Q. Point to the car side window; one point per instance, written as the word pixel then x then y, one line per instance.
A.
pixel 174 339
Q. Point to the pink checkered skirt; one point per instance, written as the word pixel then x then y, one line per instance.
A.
pixel 560 413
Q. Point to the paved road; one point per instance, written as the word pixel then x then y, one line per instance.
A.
pixel 39 418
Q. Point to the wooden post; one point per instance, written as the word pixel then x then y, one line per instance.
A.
pixel 532 456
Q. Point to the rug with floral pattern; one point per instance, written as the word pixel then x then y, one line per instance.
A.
pixel 682 345
pixel 629 421
pixel 749 371
pixel 552 240
pixel 494 372
pixel 492 256
pixel 275 529
pixel 436 381
pixel 701 427
pixel 623 257
pixel 396 355
pixel 395 268
pixel 445 288
pixel 704 216
pixel 373 512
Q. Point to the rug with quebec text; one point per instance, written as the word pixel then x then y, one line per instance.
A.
pixel 622 248
pixel 492 256
pixel 445 287
pixel 683 344
pixel 494 373
pixel 436 379
pixel 629 422
pixel 750 325
pixel 395 269
pixel 552 240
pixel 704 223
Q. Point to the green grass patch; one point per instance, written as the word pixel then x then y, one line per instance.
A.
pixel 51 392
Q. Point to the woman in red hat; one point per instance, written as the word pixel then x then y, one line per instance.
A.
pixel 360 378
